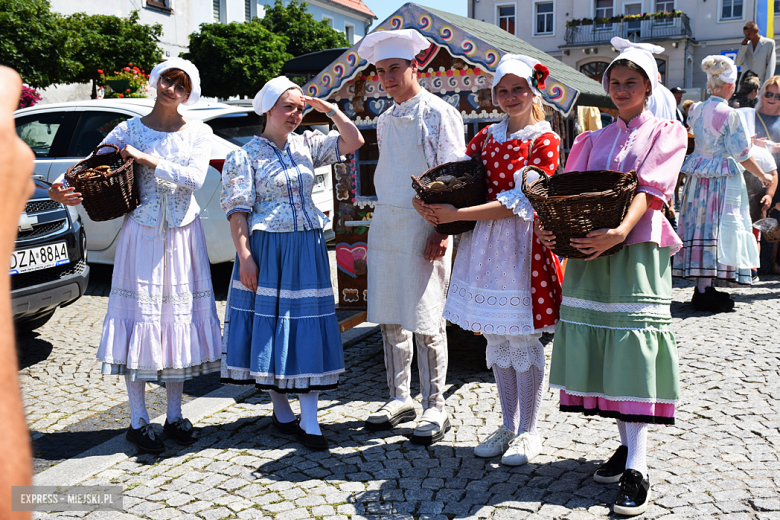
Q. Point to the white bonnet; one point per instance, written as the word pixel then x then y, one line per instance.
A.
pixel 520 66
pixel 640 54
pixel 382 45
pixel 184 65
pixel 727 76
pixel 270 94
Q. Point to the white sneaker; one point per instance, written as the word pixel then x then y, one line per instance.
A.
pixel 393 412
pixel 522 449
pixel 496 443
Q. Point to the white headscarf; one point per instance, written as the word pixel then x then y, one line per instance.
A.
pixel 639 53
pixel 520 66
pixel 727 76
pixel 270 94
pixel 383 45
pixel 184 65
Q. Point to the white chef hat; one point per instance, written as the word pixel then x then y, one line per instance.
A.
pixel 727 76
pixel 640 54
pixel 383 45
pixel 270 94
pixel 184 65
pixel 523 67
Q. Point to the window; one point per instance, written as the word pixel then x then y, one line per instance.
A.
pixel 248 10
pixel 160 4
pixel 777 7
pixel 594 70
pixel 544 18
pixel 666 6
pixel 40 131
pixel 239 127
pixel 506 18
pixel 634 27
pixel 328 20
pixel 605 9
pixel 661 64
pixel 93 127
pixel 731 10
pixel 349 32
pixel 215 10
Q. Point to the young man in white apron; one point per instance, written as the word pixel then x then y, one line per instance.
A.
pixel 408 261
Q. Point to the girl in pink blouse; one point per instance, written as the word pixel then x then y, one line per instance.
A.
pixel 614 353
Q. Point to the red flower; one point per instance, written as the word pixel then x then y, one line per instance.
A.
pixel 127 69
pixel 540 74
pixel 100 71
pixel 121 95
pixel 128 90
pixel 130 64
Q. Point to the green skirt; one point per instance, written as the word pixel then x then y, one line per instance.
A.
pixel 614 353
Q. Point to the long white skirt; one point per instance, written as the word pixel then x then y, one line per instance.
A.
pixel 162 322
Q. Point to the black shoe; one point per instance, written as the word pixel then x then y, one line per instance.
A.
pixel 145 438
pixel 180 431
pixel 285 427
pixel 712 301
pixel 314 442
pixel 611 471
pixel 634 494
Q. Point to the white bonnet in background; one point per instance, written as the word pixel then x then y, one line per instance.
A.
pixel 184 65
pixel 521 66
pixel 383 45
pixel 722 67
pixel 640 54
pixel 270 94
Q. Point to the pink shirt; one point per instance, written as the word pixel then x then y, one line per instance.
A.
pixel 655 149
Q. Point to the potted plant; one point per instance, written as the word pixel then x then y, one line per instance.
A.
pixel 128 82
pixel 29 97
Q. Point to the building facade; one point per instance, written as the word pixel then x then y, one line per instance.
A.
pixel 578 32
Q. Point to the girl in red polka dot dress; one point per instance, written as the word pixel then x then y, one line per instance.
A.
pixel 505 284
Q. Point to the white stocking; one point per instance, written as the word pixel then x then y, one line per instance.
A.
pixel 309 422
pixel 529 387
pixel 284 413
pixel 703 283
pixel 506 384
pixel 135 394
pixel 637 447
pixel 174 391
pixel 622 429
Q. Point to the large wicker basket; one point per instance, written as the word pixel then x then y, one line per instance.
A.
pixel 469 193
pixel 575 203
pixel 106 196
pixel 769 228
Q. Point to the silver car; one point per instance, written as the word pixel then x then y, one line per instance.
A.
pixel 61 134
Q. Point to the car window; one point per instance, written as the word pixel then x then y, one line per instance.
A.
pixel 39 131
pixel 303 128
pixel 239 128
pixel 93 127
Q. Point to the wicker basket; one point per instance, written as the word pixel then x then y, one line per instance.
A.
pixel 575 203
pixel 106 195
pixel 469 193
pixel 770 232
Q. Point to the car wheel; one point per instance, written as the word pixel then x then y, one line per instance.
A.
pixel 28 325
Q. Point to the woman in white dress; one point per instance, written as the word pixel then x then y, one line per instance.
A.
pixel 162 322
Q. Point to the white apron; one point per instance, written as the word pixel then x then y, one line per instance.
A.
pixel 737 247
pixel 403 287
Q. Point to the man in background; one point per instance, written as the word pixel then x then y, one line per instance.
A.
pixel 677 92
pixel 756 53
pixel 16 186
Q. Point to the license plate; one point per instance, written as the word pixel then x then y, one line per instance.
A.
pixel 319 182
pixel 42 257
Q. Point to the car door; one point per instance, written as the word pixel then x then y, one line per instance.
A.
pixel 47 134
pixel 92 127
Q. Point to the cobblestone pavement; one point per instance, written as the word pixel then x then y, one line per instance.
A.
pixel 719 461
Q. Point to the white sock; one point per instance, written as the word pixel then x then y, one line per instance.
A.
pixel 703 283
pixel 136 399
pixel 529 387
pixel 506 384
pixel 309 422
pixel 174 391
pixel 622 429
pixel 637 447
pixel 282 410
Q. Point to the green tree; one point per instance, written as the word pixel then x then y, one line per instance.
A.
pixel 109 43
pixel 305 33
pixel 236 59
pixel 33 43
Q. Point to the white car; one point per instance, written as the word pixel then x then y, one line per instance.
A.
pixel 61 134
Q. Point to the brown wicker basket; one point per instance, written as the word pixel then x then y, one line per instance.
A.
pixel 469 193
pixel 575 203
pixel 772 234
pixel 106 195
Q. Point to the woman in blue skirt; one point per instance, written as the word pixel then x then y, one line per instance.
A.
pixel 281 331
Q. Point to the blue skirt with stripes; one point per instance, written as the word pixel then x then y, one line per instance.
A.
pixel 285 336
